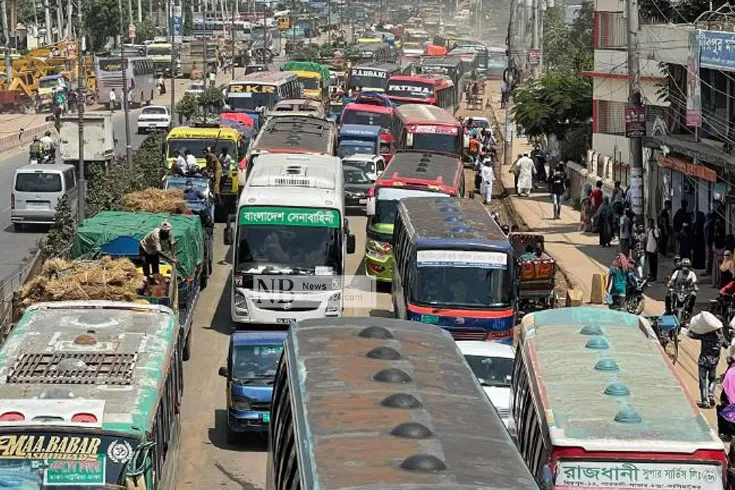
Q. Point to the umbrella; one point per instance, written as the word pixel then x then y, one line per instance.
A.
pixel 239 117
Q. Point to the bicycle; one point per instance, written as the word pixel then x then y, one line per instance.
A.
pixel 667 329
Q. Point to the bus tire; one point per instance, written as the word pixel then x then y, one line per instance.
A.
pixel 204 279
pixel 187 347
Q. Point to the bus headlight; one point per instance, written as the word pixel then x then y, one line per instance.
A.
pixel 240 301
pixel 334 302
pixel 240 403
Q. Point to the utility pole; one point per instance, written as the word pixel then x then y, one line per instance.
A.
pixel 126 106
pixel 59 19
pixel 507 77
pixel 140 10
pixel 172 7
pixel 6 33
pixel 206 74
pixel 232 40
pixel 264 35
pixel 81 96
pixel 69 14
pixel 634 99
pixel 49 27
pixel 130 12
pixel 535 40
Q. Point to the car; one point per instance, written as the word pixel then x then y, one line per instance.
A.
pixel 357 184
pixel 492 363
pixel 252 360
pixel 372 165
pixel 195 88
pixel 154 117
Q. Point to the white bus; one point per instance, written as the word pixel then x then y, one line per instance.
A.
pixel 290 241
pixel 262 89
pixel 140 75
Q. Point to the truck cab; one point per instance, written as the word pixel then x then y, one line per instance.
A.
pixel 252 360
pixel 358 139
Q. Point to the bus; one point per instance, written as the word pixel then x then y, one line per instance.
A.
pixel 426 128
pixel 453 266
pixel 469 59
pixel 297 134
pixel 596 403
pixel 375 52
pixel 411 51
pixel 409 174
pixel 483 53
pixel 350 412
pixel 497 62
pixel 160 54
pixel 371 77
pixel 415 36
pixel 372 115
pixel 432 88
pixel 196 139
pixel 261 90
pixel 140 77
pixel 291 241
pixel 450 66
pixel 91 397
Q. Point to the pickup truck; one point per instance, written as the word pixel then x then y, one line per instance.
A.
pixel 118 234
pixel 535 271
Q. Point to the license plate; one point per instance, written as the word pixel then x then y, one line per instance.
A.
pixel 37 205
pixel 267 417
pixel 363 201
pixel 285 320
pixel 430 319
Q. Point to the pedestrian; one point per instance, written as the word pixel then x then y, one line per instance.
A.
pixel 161 85
pixel 617 281
pixel 539 160
pixel 192 166
pixel 212 78
pixel 624 234
pixel 699 249
pixel 113 100
pixel 726 410
pixel 682 216
pixel 605 220
pixel 486 188
pixel 526 171
pixel 179 167
pixel 586 213
pixel 709 357
pixel 596 196
pixel 685 239
pixel 504 94
pixel 474 149
pixel 515 171
pixel 664 225
pixel 653 237
pixel 152 249
pixel 727 271
pixel 557 187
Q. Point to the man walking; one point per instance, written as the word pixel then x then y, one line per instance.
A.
pixel 664 226
pixel 557 189
pixel 653 236
pixel 486 187
pixel 526 171
pixel 113 100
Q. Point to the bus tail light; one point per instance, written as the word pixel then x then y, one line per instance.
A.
pixel 12 417
pixel 84 418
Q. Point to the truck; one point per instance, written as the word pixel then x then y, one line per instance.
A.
pixel 192 55
pixel 99 139
pixel 536 272
pixel 313 78
pixel 118 234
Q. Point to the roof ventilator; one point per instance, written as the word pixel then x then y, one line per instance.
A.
pixel 423 462
pixel 412 430
pixel 375 333
pixel 591 330
pixel 628 416
pixel 401 400
pixel 385 353
pixel 617 389
pixel 607 365
pixel 392 375
pixel 597 343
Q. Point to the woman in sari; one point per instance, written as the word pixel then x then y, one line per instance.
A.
pixel 605 220
pixel 585 213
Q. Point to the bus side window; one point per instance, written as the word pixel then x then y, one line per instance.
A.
pixel 285 462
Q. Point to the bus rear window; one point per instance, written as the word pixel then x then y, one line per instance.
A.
pixel 38 182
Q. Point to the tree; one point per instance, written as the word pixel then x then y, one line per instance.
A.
pixel 568 47
pixel 59 239
pixel 101 21
pixel 144 31
pixel 188 106
pixel 148 161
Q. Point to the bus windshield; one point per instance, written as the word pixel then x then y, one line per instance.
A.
pixel 461 287
pixel 386 204
pixel 436 142
pixel 158 51
pixel 88 467
pixel 413 90
pixel 251 101
pixel 367 82
pixel 199 146
pixel 367 118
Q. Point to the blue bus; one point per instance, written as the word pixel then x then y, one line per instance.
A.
pixel 358 138
pixel 453 267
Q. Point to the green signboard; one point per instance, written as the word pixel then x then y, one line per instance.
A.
pixel 324 218
pixel 75 473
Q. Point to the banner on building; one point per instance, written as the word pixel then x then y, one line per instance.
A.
pixel 177 23
pixel 690 169
pixel 694 87
pixel 635 121
pixel 716 49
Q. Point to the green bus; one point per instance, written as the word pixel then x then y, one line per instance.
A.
pixel 90 397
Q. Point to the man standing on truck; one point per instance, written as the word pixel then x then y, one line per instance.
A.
pixel 214 169
pixel 151 249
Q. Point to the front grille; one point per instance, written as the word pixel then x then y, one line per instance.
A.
pixel 286 307
pixel 468 335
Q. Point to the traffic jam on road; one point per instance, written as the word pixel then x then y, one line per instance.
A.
pixel 321 292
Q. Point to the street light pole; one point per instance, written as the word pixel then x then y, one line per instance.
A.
pixel 126 109
pixel 634 99
pixel 171 20
pixel 81 97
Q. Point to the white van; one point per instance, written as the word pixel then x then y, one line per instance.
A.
pixel 36 191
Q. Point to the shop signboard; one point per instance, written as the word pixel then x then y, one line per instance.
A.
pixel 717 50
pixel 635 121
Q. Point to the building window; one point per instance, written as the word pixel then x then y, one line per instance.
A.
pixel 610 32
pixel 609 117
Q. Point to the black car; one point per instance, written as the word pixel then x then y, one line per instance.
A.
pixel 357 184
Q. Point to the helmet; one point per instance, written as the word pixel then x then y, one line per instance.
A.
pixel 48 133
pixel 677 260
pixel 686 263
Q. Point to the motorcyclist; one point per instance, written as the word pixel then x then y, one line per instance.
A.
pixel 683 277
pixel 49 146
pixel 36 149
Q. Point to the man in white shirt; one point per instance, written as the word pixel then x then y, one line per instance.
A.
pixel 113 100
pixel 526 171
pixel 48 143
pixel 152 248
pixel 191 162
pixel 683 277
pixel 179 167
pixel 486 187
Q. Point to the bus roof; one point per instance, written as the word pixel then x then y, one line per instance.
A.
pixel 425 114
pixel 357 432
pixel 447 222
pixel 413 168
pixel 359 130
pixel 187 132
pixel 267 77
pixel 453 61
pixel 605 383
pixel 377 66
pixel 378 109
pixel 297 134
pixel 125 349
pixel 372 46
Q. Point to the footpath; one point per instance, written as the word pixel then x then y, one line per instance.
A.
pixel 580 256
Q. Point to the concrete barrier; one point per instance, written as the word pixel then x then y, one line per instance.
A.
pixel 25 138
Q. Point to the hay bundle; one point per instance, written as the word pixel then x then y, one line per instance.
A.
pixel 155 201
pixel 64 280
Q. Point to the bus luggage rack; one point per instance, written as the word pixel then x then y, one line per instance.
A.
pixel 82 368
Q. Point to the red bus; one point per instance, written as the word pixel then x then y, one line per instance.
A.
pixel 372 115
pixel 430 88
pixel 426 128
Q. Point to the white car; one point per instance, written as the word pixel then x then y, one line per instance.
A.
pixel 154 117
pixel 371 165
pixel 492 363
pixel 195 88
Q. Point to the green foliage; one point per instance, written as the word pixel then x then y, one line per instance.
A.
pixel 188 21
pixel 148 162
pixel 678 12
pixel 211 99
pixel 576 143
pixel 60 236
pixel 568 47
pixel 144 31
pixel 554 104
pixel 101 21
pixel 188 106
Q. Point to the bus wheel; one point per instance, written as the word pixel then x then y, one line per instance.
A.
pixel 204 279
pixel 187 347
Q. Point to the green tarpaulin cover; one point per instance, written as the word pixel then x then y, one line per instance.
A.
pixel 306 66
pixel 187 232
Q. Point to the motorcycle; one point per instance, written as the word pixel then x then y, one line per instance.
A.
pixel 679 299
pixel 635 300
pixel 724 309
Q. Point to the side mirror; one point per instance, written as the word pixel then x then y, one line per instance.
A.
pixel 223 372
pixel 350 243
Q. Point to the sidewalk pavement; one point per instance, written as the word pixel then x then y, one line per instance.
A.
pixel 580 256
